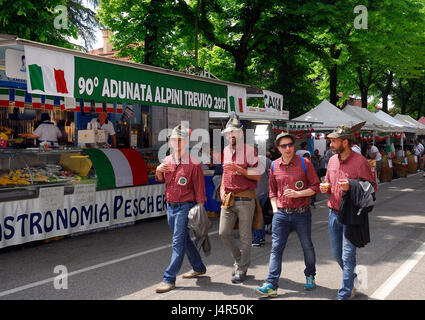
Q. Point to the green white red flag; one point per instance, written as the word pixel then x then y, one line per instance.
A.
pixel 49 103
pixel 19 98
pixel 4 97
pixel 49 72
pixel 87 106
pixel 98 107
pixel 36 101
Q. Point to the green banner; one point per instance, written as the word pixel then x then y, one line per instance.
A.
pixel 101 81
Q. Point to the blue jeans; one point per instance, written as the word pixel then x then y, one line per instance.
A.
pixel 177 221
pixel 344 253
pixel 258 235
pixel 282 225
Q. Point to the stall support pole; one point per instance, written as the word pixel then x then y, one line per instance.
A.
pixel 402 141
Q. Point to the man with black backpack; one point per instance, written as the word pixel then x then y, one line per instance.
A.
pixel 292 182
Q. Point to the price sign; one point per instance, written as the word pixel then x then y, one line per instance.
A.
pixel 84 194
pixel 51 199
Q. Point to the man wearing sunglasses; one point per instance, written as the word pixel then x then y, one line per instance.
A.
pixel 292 181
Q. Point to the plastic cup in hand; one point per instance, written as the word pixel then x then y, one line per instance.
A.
pixel 324 184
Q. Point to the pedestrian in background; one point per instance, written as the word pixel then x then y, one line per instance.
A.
pixel 184 187
pixel 315 160
pixel 374 154
pixel 419 151
pixel 262 192
pixel 344 165
pixel 303 150
pixel 292 181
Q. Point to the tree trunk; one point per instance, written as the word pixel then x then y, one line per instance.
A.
pixel 240 60
pixel 362 87
pixel 152 33
pixel 387 90
pixel 364 91
pixel 333 76
pixel 333 82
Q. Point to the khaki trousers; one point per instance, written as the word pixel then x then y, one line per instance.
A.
pixel 243 212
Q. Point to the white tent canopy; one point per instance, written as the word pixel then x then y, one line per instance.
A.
pixel 404 127
pixel 370 118
pixel 409 120
pixel 330 117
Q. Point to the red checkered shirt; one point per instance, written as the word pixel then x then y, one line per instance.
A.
pixel 285 176
pixel 186 182
pixel 244 156
pixel 354 167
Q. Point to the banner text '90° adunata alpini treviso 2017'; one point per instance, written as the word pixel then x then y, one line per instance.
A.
pixel 99 81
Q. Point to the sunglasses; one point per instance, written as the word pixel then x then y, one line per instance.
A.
pixel 288 145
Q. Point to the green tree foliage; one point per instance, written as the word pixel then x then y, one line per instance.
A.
pixel 35 20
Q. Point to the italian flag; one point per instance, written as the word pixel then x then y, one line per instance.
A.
pixel 118 167
pixel 77 105
pixel 237 99
pixel 4 97
pixel 36 101
pixel 119 108
pixel 49 73
pixel 110 107
pixel 87 106
pixel 47 79
pixel 19 98
pixel 98 107
pixel 49 103
pixel 62 104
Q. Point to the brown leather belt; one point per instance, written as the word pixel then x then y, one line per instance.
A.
pixel 295 210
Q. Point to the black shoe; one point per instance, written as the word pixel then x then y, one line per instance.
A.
pixel 239 277
pixel 262 241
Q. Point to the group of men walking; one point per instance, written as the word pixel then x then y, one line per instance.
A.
pixel 292 182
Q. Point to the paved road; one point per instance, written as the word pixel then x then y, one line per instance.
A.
pixel 128 263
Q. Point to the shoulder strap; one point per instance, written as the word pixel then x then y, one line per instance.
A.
pixel 303 165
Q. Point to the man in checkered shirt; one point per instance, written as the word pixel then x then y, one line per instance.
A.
pixel 293 180
pixel 184 187
pixel 237 192
pixel 345 164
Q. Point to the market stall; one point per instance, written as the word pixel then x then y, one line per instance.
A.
pixel 70 188
pixel 325 117
pixel 406 133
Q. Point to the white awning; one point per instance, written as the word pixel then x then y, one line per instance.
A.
pixel 404 127
pixel 409 120
pixel 329 117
